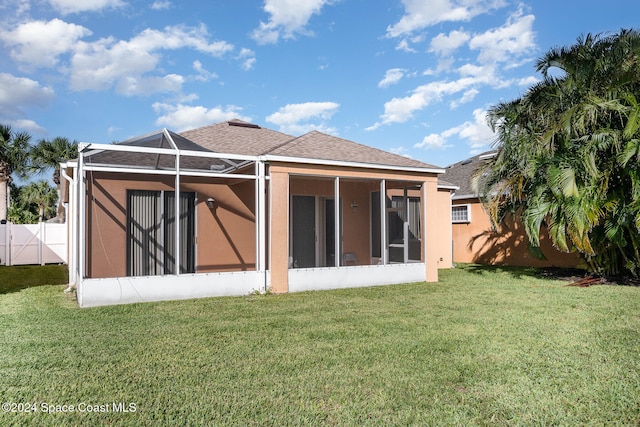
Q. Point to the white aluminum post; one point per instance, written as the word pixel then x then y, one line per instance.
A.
pixel 177 215
pixel 405 225
pixel 72 227
pixel 336 216
pixel 41 242
pixel 383 222
pixel 82 200
pixel 7 243
pixel 261 229
pixel 423 204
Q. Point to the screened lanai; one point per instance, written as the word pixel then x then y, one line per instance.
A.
pixel 162 217
pixel 166 217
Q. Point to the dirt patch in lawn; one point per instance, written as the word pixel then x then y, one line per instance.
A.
pixel 583 279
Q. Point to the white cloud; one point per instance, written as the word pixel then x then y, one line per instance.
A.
pixel 161 5
pixel 507 42
pixel 203 75
pixel 288 18
pixel 101 64
pixel 400 151
pixel 181 117
pixel 499 49
pixel 75 6
pixel 477 134
pixel 404 46
pixel 391 77
pixel 468 96
pixel 420 14
pixel 527 81
pixel 434 141
pixel 40 43
pixel 28 126
pixel 17 93
pixel 247 58
pixel 131 86
pixel 445 44
pixel 15 7
pixel 399 110
pixel 294 118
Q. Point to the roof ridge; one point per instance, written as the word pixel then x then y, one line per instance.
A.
pixel 277 147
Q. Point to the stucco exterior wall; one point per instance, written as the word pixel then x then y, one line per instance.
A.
pixel 225 235
pixel 476 242
pixel 443 229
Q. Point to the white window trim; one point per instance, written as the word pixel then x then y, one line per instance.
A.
pixel 460 221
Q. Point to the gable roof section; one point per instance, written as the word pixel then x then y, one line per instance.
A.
pixel 237 137
pixel 319 146
pixel 461 173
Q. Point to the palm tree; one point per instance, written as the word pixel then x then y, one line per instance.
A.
pixel 48 155
pixel 14 157
pixel 42 194
pixel 569 151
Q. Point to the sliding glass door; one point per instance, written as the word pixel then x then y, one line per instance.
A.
pixel 151 240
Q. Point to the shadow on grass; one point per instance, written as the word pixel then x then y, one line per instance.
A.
pixel 16 278
pixel 552 273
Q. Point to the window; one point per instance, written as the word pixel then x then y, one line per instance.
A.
pixel 460 213
pixel 151 242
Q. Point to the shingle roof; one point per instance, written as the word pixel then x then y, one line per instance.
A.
pixel 461 173
pixel 237 137
pixel 242 138
pixel 318 145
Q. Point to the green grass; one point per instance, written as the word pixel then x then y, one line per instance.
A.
pixel 20 277
pixel 484 346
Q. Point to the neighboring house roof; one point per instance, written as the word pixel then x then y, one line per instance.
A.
pixel 446 184
pixel 461 173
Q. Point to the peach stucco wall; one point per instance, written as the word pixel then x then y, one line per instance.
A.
pixel 476 242
pixel 443 229
pixel 225 236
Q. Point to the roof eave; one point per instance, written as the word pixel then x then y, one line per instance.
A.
pixel 466 196
pixel 302 160
pixel 448 187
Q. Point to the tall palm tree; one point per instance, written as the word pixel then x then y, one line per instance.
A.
pixel 569 151
pixel 14 157
pixel 48 155
pixel 42 194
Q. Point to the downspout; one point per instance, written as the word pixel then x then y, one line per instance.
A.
pixel 336 219
pixel 453 193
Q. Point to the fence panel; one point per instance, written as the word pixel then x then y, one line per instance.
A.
pixel 23 244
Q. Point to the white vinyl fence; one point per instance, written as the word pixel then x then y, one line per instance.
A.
pixel 22 244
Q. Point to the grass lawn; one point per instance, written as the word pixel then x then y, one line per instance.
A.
pixel 484 346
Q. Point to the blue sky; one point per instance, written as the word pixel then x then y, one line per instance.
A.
pixel 408 76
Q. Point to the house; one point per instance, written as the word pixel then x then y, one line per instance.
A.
pixel 475 240
pixel 235 208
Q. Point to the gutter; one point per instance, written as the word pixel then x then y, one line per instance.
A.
pixel 285 159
